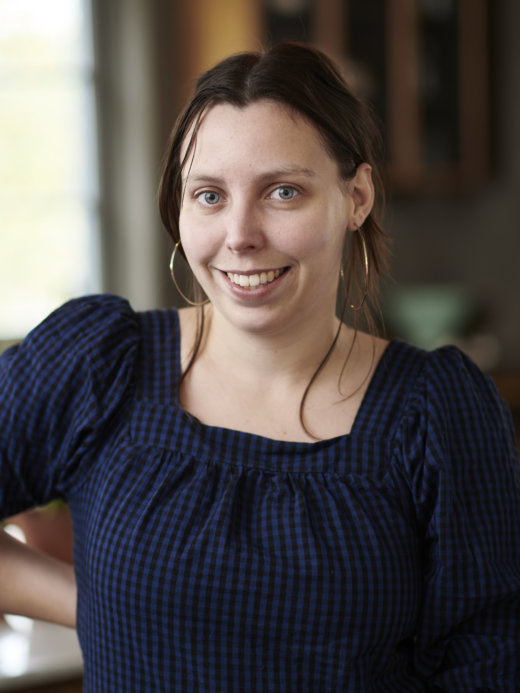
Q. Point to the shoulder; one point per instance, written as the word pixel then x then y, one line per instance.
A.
pixel 449 400
pixel 76 326
pixel 95 335
pixel 436 393
pixel 446 373
pixel 454 432
pixel 87 317
pixel 458 386
pixel 60 387
pixel 89 354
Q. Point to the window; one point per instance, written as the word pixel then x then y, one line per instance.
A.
pixel 49 230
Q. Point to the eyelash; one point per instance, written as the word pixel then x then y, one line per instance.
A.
pixel 200 196
pixel 286 187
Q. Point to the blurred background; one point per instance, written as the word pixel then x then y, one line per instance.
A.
pixel 90 90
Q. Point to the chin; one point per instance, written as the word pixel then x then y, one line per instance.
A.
pixel 258 320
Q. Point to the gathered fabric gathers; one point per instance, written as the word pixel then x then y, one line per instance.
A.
pixel 209 559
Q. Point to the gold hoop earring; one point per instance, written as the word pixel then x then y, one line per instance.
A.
pixel 365 257
pixel 172 272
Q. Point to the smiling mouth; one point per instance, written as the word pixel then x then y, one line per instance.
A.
pixel 251 281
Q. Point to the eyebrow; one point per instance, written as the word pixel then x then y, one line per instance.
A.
pixel 273 174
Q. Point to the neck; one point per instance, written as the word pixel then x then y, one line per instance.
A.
pixel 287 358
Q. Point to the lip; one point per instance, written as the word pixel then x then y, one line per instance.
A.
pixel 255 271
pixel 254 292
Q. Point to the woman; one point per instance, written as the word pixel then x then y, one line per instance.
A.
pixel 266 498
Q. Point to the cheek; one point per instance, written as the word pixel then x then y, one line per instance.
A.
pixel 197 237
pixel 317 235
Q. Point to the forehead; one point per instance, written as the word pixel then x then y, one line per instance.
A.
pixel 262 132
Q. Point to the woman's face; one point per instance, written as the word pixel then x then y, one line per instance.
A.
pixel 264 217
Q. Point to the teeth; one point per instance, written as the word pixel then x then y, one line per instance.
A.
pixel 253 280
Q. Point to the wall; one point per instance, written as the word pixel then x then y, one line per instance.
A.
pixel 474 239
pixel 471 239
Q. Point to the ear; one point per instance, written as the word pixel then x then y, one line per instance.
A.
pixel 361 191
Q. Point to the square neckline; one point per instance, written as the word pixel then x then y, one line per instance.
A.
pixel 362 414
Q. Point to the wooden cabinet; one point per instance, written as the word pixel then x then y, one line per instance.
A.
pixel 424 66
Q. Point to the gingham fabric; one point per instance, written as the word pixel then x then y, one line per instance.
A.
pixel 212 560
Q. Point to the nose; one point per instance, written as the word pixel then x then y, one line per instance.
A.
pixel 243 228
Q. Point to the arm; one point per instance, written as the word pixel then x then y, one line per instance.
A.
pixel 59 388
pixel 35 585
pixel 465 473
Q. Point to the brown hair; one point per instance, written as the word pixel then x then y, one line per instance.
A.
pixel 306 81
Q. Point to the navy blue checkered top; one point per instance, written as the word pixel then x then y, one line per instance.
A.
pixel 213 560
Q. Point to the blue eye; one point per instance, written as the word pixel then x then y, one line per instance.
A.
pixel 285 192
pixel 209 198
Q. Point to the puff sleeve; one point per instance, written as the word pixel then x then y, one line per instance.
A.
pixel 60 389
pixel 458 447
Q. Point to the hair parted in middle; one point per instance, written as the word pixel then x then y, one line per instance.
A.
pixel 307 82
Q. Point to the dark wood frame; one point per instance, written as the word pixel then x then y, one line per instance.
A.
pixel 407 172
